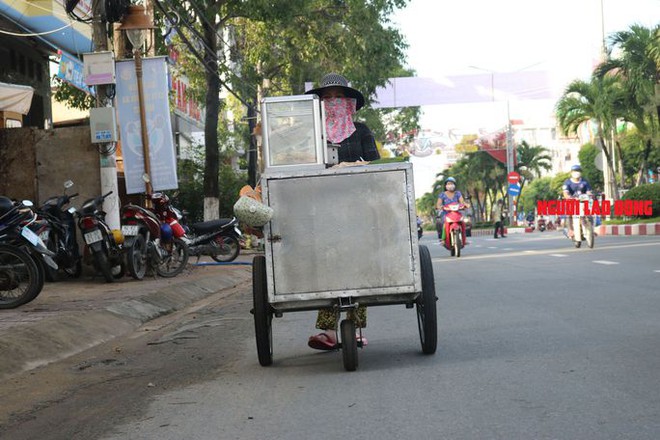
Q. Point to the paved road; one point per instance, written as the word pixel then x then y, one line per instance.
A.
pixel 537 340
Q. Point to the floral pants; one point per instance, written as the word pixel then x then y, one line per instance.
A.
pixel 327 319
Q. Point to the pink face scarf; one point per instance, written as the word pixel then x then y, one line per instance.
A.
pixel 339 118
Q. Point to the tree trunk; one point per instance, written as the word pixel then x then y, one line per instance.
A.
pixel 608 157
pixel 212 153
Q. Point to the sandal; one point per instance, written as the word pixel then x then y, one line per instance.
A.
pixel 322 341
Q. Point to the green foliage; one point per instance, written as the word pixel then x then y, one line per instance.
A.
pixel 190 193
pixel 638 153
pixel 71 96
pixel 557 183
pixel 539 189
pixel 231 183
pixel 593 175
pixel 646 192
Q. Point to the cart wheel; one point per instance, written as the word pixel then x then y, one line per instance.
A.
pixel 427 319
pixel 263 316
pixel 349 345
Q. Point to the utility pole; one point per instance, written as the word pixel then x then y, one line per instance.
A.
pixel 107 155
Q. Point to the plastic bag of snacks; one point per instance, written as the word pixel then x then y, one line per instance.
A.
pixel 250 210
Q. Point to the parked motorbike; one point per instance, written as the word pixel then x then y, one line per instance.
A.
pixel 62 238
pixel 541 224
pixel 420 230
pixel 219 239
pixel 530 224
pixel 103 245
pixel 454 228
pixel 151 244
pixel 21 276
pixel 583 225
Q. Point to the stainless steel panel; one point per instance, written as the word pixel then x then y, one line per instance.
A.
pixel 342 232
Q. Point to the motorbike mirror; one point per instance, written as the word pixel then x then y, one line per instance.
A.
pixel 68 184
pixel 27 203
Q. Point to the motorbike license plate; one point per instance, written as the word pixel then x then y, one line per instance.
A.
pixel 129 230
pixel 93 237
pixel 31 236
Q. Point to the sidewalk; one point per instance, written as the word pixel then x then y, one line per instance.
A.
pixel 69 317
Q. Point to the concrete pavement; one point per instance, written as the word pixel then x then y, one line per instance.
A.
pixel 71 316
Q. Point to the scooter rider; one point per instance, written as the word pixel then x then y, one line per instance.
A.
pixel 449 195
pixel 573 187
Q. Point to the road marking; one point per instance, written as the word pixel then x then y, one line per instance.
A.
pixel 492 247
pixel 527 252
pixel 605 262
pixel 558 255
pixel 657 271
pixel 507 249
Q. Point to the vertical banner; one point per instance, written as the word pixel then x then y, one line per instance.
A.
pixel 159 126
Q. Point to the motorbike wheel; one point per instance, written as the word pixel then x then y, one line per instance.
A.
pixel 136 258
pixel 102 265
pixel 225 248
pixel 118 271
pixel 74 270
pixel 427 316
pixel 589 232
pixel 176 259
pixel 457 242
pixel 20 278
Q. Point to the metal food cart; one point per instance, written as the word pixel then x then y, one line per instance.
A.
pixel 340 237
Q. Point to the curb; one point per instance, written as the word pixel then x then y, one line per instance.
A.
pixel 34 344
pixel 637 229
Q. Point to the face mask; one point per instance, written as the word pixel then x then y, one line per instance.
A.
pixel 576 174
pixel 339 118
pixel 451 187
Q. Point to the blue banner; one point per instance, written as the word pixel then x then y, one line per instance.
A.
pixel 159 127
pixel 71 71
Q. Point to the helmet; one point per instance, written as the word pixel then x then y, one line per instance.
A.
pixel 118 236
pixel 576 168
pixel 160 198
pixel 450 179
pixel 166 232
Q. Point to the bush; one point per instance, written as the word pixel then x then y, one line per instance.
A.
pixel 646 192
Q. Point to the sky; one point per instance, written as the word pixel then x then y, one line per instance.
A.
pixel 486 37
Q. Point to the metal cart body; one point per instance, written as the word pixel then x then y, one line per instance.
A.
pixel 341 232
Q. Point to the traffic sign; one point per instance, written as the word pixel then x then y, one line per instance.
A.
pixel 513 177
pixel 514 189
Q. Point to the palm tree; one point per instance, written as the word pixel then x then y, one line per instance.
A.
pixel 601 101
pixel 531 161
pixel 638 68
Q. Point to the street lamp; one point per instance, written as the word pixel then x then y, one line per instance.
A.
pixel 137 24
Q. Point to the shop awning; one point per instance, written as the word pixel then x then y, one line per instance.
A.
pixel 15 98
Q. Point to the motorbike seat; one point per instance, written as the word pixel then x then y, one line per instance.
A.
pixel 209 226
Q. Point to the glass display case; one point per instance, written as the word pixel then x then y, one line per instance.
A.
pixel 292 132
